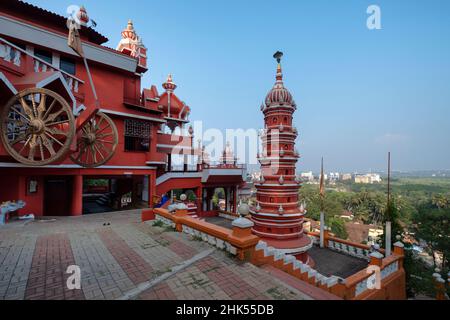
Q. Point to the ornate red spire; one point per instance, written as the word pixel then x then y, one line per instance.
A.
pixel 278 215
pixel 128 32
pixel 278 94
pixel 169 85
pixel 279 76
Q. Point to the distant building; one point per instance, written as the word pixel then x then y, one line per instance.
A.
pixel 363 233
pixel 307 176
pixel 346 176
pixel 255 175
pixel 368 178
pixel 347 215
pixel 334 176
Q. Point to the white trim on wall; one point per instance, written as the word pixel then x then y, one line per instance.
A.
pixel 39 36
pixel 130 115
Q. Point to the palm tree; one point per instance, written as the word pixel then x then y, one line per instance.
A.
pixel 440 201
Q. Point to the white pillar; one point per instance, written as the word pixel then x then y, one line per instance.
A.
pixel 388 239
pixel 322 226
pixel 204 204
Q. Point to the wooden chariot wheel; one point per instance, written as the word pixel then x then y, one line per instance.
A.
pixel 96 141
pixel 37 127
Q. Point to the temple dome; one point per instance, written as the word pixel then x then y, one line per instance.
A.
pixel 128 32
pixel 279 94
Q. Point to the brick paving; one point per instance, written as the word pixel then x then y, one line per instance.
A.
pixel 136 268
pixel 120 257
pixel 47 278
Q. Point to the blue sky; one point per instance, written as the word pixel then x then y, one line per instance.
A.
pixel 360 92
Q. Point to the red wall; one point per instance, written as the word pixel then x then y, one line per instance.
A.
pixel 13 188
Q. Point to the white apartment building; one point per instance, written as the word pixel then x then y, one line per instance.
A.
pixel 369 178
pixel 307 176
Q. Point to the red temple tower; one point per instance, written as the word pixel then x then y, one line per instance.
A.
pixel 278 215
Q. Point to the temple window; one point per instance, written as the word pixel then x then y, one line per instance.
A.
pixel 44 55
pixel 67 65
pixel 137 135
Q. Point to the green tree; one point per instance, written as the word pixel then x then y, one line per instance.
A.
pixel 441 201
pixel 432 226
pixel 337 226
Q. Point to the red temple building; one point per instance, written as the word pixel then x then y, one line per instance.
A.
pixel 278 215
pixel 68 147
pixel 64 153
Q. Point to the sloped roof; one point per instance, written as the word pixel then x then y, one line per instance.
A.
pixel 26 9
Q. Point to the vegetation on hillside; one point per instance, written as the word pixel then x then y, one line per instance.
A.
pixel 368 202
pixel 419 206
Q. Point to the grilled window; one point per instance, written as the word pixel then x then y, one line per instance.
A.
pixel 137 135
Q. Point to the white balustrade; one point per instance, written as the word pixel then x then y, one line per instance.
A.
pixel 390 269
pixel 218 243
pixel 72 82
pixel 361 287
pixel 349 249
pixel 10 54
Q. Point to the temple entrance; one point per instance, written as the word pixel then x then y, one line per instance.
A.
pixel 57 196
pixel 106 194
pixel 218 199
pixel 191 200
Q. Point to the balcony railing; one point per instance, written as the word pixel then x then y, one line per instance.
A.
pixel 43 66
pixel 221 165
pixel 11 53
pixel 182 168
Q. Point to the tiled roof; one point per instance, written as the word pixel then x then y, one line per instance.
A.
pixel 25 8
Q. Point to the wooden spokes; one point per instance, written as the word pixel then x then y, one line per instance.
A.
pixel 96 141
pixel 37 127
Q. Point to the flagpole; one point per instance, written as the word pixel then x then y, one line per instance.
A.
pixel 322 215
pixel 388 226
pixel 91 81
pixel 75 43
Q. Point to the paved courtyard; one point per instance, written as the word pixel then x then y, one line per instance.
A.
pixel 122 258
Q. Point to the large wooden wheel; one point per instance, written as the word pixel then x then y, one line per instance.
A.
pixel 37 127
pixel 96 141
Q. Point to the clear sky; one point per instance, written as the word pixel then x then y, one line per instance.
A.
pixel 360 92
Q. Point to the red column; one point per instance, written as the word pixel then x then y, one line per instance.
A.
pixel 199 195
pixel 77 196
pixel 235 199
pixel 151 189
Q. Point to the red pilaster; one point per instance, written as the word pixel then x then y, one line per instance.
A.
pixel 77 195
